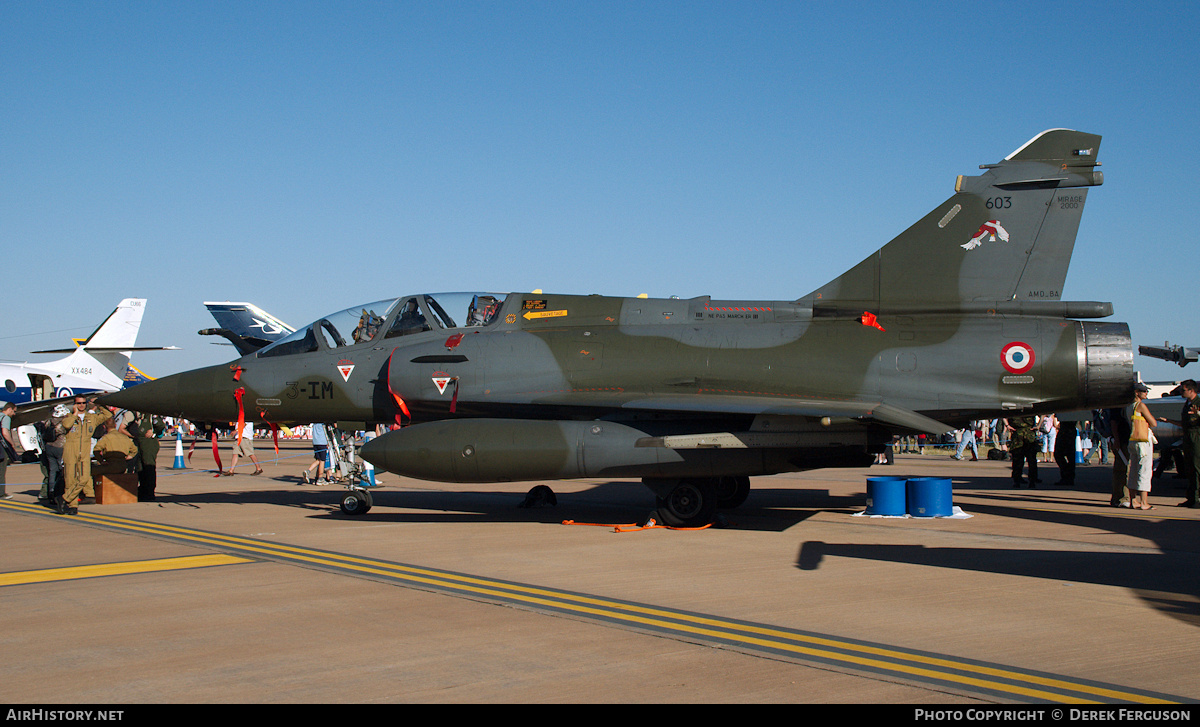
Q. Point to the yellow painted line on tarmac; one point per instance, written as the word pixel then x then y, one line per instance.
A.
pixel 101 570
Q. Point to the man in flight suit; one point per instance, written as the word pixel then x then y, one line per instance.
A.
pixel 77 453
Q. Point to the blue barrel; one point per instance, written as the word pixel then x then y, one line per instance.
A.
pixel 930 497
pixel 885 495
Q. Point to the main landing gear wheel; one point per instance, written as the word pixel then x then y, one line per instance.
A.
pixel 356 502
pixel 691 504
pixel 732 492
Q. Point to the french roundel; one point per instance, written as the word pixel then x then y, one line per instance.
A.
pixel 1017 357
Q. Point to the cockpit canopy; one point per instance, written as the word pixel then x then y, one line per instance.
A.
pixel 390 318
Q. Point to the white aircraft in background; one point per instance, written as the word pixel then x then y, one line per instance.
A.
pixel 99 364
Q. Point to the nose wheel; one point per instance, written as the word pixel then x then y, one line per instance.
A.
pixel 356 502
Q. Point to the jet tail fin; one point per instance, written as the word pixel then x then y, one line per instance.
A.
pixel 1005 235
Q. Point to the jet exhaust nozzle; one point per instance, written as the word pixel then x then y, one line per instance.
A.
pixel 1105 364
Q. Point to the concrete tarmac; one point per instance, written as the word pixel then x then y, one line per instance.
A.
pixel 252 589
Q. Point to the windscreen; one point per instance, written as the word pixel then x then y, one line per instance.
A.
pixel 344 328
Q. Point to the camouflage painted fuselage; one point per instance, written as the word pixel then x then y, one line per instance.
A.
pixel 958 318
pixel 831 389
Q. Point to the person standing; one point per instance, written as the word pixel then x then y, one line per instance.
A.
pixel 967 440
pixel 148 429
pixel 1100 435
pixel 1117 423
pixel 1064 452
pixel 1189 421
pixel 1141 450
pixel 998 433
pixel 1023 446
pixel 245 448
pixel 53 439
pixel 8 452
pixel 1045 430
pixel 80 424
pixel 320 441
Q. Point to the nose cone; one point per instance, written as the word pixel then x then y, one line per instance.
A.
pixel 159 396
pixel 191 394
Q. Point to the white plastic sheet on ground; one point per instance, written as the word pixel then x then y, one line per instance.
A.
pixel 956 514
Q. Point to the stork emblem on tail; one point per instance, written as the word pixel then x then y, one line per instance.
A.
pixel 990 228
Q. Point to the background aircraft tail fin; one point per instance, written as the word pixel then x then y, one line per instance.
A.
pixel 246 326
pixel 112 343
pixel 248 320
pixel 120 329
pixel 134 376
pixel 1006 234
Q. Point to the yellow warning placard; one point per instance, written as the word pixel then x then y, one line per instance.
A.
pixel 530 315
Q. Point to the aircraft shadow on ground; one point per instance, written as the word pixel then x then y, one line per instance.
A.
pixel 777 509
pixel 996 496
pixel 616 502
pixel 1165 580
pixel 611 502
pixel 623 502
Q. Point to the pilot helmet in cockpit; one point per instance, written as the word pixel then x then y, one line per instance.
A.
pixel 368 325
pixel 483 309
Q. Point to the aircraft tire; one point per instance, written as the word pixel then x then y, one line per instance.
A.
pixel 732 491
pixel 691 504
pixel 356 502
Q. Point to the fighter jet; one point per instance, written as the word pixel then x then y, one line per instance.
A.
pixel 958 318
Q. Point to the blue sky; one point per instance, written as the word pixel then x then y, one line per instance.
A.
pixel 311 156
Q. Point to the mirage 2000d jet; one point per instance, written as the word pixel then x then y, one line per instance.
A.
pixel 958 318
